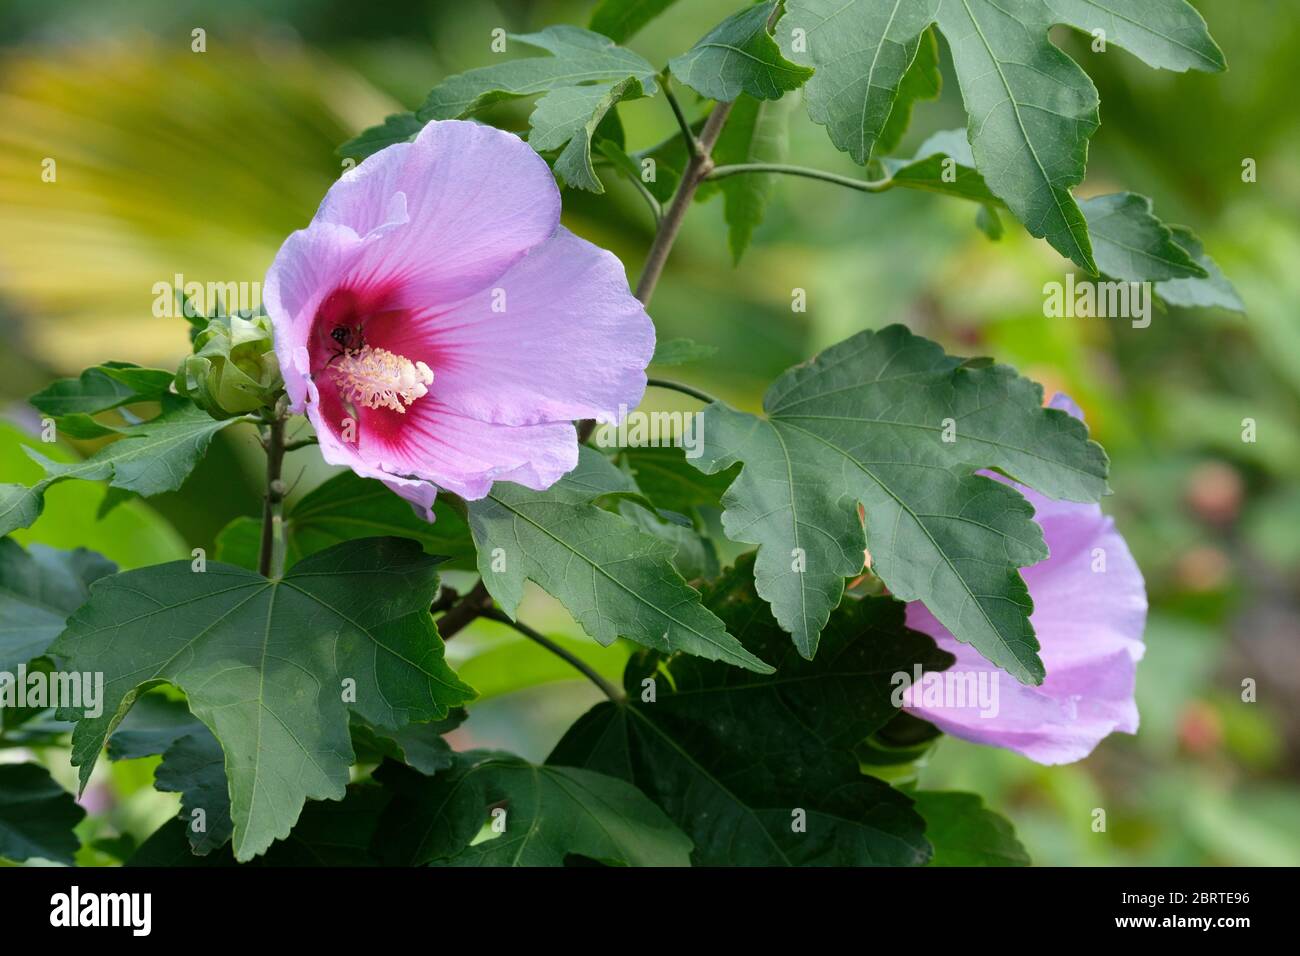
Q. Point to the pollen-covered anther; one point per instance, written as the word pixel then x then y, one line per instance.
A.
pixel 378 378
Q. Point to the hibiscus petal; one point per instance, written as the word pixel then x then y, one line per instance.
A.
pixel 465 455
pixel 558 337
pixel 475 199
pixel 303 272
pixel 420 494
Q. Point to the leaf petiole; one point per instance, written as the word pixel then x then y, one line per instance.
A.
pixel 690 390
pixel 785 169
pixel 610 691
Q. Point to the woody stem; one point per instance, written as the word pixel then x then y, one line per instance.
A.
pixel 271 558
pixel 473 604
pixel 577 663
pixel 697 169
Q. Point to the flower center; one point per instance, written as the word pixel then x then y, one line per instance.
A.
pixel 378 378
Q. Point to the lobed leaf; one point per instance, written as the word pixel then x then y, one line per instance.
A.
pixel 329 833
pixel 736 759
pixel 864 424
pixel 103 387
pixel 964 833
pixel 757 131
pixel 620 19
pixel 615 579
pixel 1130 242
pixel 39 588
pixel 1031 108
pixel 344 508
pixel 37 816
pixel 149 458
pixel 863 52
pixel 264 664
pixel 544 814
pixel 739 56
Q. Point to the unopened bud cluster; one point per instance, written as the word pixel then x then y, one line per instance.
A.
pixel 233 369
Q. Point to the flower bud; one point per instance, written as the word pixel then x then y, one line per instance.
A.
pixel 233 369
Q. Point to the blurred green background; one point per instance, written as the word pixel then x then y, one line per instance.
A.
pixel 170 161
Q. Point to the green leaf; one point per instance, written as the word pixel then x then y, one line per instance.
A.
pixel 266 665
pixel 583 78
pixel 397 128
pixel 929 169
pixel 194 767
pixel 681 352
pixel 1130 243
pixel 988 221
pixel 1031 108
pixel 873 59
pixel 102 387
pixel 1214 291
pixel 620 19
pixel 731 757
pixel 149 458
pixel 922 81
pixel 739 56
pixel 417 745
pixel 327 834
pixel 616 580
pixel 1166 34
pixel 694 556
pixel 152 725
pixel 666 477
pixel 865 423
pixel 566 119
pixel 757 131
pixel 132 535
pixel 964 833
pixel 39 588
pixel 37 816
pixel 549 813
pixel 193 761
pixel 344 508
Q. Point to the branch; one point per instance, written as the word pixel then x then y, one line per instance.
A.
pixel 474 604
pixel 445 600
pixel 699 167
pixel 862 185
pixel 610 691
pixel 271 557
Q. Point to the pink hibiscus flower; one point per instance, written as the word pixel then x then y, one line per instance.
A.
pixel 1090 608
pixel 439 327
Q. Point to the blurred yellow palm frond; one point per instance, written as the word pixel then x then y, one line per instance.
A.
pixel 164 162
